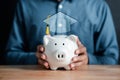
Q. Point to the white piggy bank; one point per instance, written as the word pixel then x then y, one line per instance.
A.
pixel 60 50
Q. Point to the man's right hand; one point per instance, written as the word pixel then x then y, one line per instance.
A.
pixel 42 58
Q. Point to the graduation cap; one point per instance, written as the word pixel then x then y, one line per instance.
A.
pixel 60 23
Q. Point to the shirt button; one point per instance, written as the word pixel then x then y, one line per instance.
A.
pixel 60 6
pixel 59 25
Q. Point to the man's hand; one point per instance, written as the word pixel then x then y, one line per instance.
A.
pixel 81 59
pixel 42 58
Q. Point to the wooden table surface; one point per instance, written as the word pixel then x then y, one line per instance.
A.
pixel 34 72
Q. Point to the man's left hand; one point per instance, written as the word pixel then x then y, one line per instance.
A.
pixel 81 59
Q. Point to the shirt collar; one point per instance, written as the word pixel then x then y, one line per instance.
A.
pixel 56 0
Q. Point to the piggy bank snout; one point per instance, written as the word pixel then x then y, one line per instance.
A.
pixel 61 55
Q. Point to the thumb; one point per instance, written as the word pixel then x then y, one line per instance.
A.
pixel 78 41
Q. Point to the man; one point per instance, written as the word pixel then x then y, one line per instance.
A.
pixel 90 20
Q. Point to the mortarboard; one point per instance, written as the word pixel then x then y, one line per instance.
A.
pixel 60 23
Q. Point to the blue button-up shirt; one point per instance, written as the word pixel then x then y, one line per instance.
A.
pixel 90 20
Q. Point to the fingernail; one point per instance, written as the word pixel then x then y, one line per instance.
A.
pixel 41 49
pixel 43 57
pixel 46 65
pixel 76 52
pixel 72 65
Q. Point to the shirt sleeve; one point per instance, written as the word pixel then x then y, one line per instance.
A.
pixel 17 43
pixel 106 46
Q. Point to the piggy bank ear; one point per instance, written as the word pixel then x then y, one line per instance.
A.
pixel 73 38
pixel 46 39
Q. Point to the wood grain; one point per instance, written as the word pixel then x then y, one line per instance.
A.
pixel 34 72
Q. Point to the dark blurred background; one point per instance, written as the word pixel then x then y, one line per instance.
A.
pixel 115 9
pixel 7 8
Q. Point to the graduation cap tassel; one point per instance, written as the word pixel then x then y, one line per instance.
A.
pixel 48 27
pixel 47 30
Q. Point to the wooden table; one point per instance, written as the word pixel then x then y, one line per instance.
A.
pixel 33 72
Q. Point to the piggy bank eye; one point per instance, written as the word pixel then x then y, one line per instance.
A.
pixel 55 43
pixel 63 43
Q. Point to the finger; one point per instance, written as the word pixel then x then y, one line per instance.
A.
pixel 40 48
pixel 79 58
pixel 81 50
pixel 41 56
pixel 73 66
pixel 44 63
pixel 78 42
